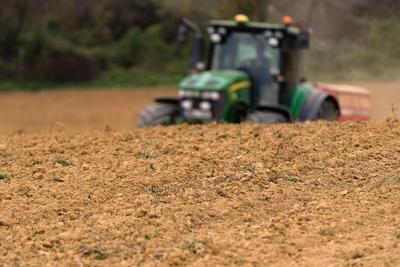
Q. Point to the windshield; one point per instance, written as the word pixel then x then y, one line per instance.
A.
pixel 241 50
pixel 251 53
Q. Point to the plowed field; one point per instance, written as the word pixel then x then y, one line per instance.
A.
pixel 81 186
pixel 314 194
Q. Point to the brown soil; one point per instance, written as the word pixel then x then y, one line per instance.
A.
pixel 310 194
pixel 313 194
pixel 84 109
pixel 121 108
pixel 385 99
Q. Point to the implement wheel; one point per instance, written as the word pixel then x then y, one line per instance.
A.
pixel 328 111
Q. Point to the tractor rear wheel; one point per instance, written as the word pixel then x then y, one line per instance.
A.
pixel 261 117
pixel 328 111
pixel 158 114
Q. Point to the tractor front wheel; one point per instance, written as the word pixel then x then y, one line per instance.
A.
pixel 328 111
pixel 261 117
pixel 158 114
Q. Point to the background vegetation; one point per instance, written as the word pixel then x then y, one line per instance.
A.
pixel 131 42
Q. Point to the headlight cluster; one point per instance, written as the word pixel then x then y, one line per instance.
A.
pixel 204 95
pixel 187 104
pixel 211 95
pixel 217 34
pixel 186 93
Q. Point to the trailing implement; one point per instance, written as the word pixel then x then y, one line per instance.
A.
pixel 253 74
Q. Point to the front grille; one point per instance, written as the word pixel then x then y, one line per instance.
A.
pixel 217 106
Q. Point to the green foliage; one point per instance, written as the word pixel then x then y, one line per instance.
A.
pixel 48 56
pixel 382 36
pixel 122 42
pixel 129 47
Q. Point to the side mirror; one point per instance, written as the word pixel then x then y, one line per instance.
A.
pixel 304 39
pixel 198 52
pixel 182 32
pixel 198 49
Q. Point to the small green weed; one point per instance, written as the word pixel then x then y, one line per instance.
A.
pixel 149 236
pixel 325 232
pixel 127 137
pixel 63 162
pixel 293 179
pixel 249 170
pixel 156 190
pixel 4 176
pixel 194 246
pixel 145 154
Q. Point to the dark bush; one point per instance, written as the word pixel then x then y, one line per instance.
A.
pixel 62 67
pixel 128 50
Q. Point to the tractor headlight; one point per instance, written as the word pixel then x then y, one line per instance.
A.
pixel 205 105
pixel 273 42
pixel 186 93
pixel 182 93
pixel 187 104
pixel 222 30
pixel 211 96
pixel 215 38
pixel 215 96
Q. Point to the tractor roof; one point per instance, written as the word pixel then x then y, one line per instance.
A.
pixel 255 26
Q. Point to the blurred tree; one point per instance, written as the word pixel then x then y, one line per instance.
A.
pixel 47 39
pixel 256 9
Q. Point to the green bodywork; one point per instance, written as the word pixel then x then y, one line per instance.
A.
pixel 299 96
pixel 236 86
pixel 213 80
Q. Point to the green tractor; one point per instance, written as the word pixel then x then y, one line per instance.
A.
pixel 253 74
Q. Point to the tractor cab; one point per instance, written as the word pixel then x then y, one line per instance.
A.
pixel 268 53
pixel 237 48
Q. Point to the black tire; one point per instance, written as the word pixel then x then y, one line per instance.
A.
pixel 158 114
pixel 328 111
pixel 261 117
pixel 240 112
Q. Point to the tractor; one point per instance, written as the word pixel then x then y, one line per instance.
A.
pixel 253 74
